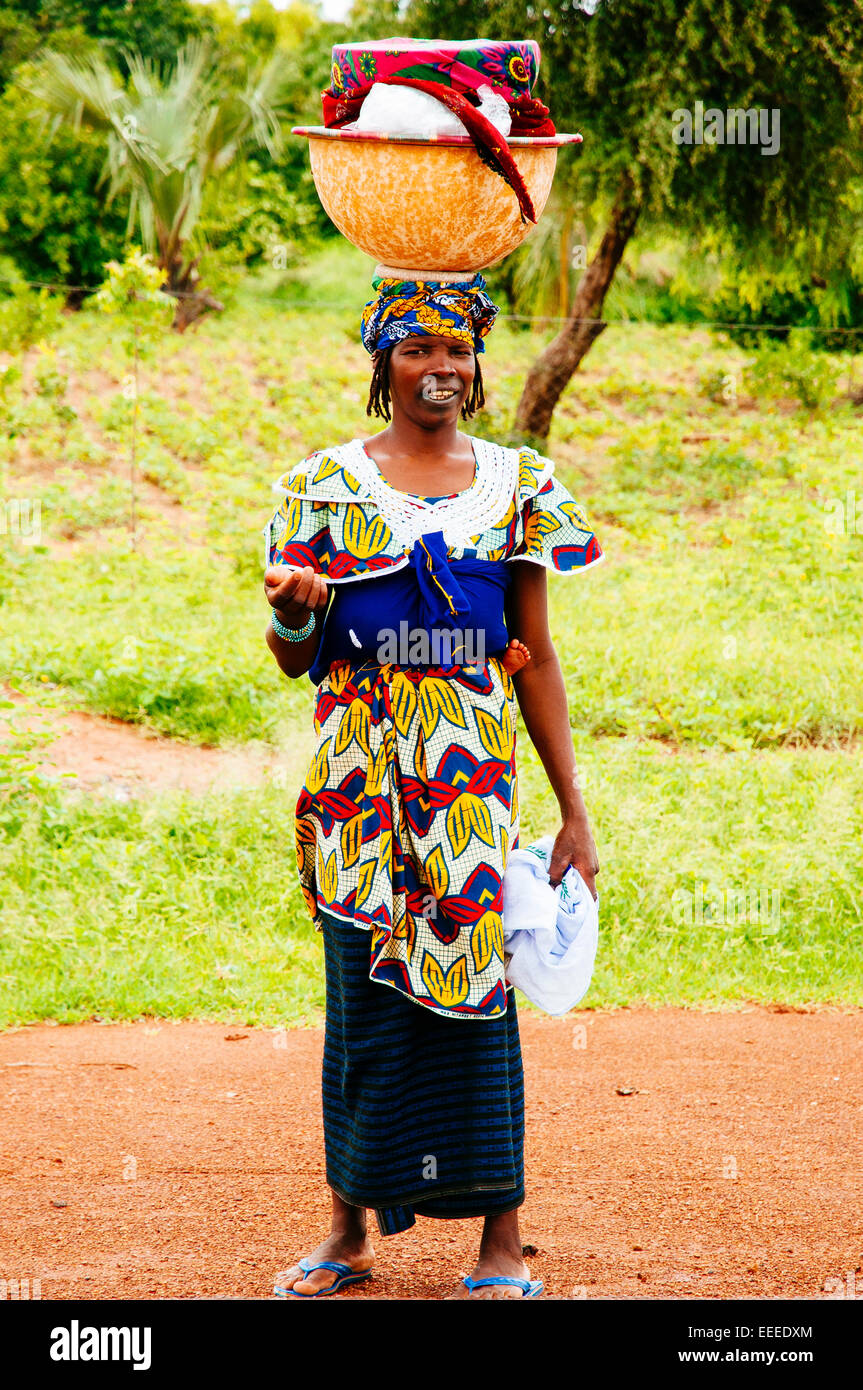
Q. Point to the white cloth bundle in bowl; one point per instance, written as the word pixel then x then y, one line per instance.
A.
pixel 550 935
pixel 390 109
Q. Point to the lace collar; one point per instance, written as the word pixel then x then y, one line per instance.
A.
pixel 460 518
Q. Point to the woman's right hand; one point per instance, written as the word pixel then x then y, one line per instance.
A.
pixel 292 593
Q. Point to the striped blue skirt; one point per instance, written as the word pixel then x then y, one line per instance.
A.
pixel 422 1114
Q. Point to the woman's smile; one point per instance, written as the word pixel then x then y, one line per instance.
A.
pixel 433 390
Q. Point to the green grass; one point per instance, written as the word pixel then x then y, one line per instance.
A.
pixel 176 907
pixel 712 661
pixel 189 908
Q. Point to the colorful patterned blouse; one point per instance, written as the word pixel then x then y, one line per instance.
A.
pixel 410 805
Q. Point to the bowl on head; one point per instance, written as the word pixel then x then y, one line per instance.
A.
pixel 427 204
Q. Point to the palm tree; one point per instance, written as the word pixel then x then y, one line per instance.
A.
pixel 168 131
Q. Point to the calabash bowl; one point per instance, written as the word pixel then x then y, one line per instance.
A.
pixel 429 204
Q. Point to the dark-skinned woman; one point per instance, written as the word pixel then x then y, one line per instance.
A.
pixel 417 536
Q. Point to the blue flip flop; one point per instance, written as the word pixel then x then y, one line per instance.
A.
pixel 345 1273
pixel 530 1288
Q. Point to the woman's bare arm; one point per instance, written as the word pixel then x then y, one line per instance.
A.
pixel 541 696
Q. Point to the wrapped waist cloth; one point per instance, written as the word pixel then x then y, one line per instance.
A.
pixel 401 1084
pixel 405 822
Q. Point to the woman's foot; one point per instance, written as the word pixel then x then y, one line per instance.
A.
pixel 514 658
pixel 347 1244
pixel 359 1255
pixel 489 1267
pixel 499 1254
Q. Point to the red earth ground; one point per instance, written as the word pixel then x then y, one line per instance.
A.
pixel 93 753
pixel 670 1153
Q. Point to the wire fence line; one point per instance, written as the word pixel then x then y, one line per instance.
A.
pixel 542 319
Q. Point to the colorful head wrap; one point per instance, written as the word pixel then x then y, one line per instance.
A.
pixel 457 309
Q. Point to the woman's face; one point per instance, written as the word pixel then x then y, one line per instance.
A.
pixel 431 376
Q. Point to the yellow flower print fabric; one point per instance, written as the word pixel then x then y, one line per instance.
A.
pixel 328 520
pixel 405 823
pixel 410 805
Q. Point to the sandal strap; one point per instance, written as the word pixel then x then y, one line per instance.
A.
pixel 523 1284
pixel 307 1267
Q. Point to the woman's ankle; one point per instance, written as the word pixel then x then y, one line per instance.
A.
pixel 349 1224
pixel 501 1236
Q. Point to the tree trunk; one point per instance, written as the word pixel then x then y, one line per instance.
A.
pixel 193 301
pixel 192 307
pixel 551 373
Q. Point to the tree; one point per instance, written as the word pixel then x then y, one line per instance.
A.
pixel 54 223
pixel 168 131
pixel 621 71
pixel 155 28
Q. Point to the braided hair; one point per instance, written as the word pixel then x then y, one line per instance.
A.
pixel 379 389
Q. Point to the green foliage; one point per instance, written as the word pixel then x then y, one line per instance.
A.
pixel 792 369
pixel 253 218
pixel 157 28
pixel 20 783
pixel 787 296
pixel 670 476
pixel 133 294
pixel 73 506
pixel 664 278
pixel 167 133
pixel 259 28
pixel 92 891
pixel 54 222
pixel 51 383
pixel 62 228
pixel 27 317
pixel 25 25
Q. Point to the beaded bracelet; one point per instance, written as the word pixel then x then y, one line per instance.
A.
pixel 292 634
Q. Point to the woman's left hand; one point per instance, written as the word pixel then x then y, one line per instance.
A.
pixel 574 845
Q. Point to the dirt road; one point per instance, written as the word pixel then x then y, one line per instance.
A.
pixel 670 1154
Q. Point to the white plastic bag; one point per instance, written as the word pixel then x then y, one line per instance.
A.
pixel 395 110
pixel 550 935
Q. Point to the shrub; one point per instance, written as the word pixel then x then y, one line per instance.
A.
pixel 27 317
pixel 55 224
pixel 793 369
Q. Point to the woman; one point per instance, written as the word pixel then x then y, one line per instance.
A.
pixel 410 804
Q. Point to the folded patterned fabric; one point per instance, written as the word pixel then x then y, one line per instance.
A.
pixel 550 935
pixel 529 116
pixel 510 66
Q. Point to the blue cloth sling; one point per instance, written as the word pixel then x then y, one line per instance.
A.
pixel 431 592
